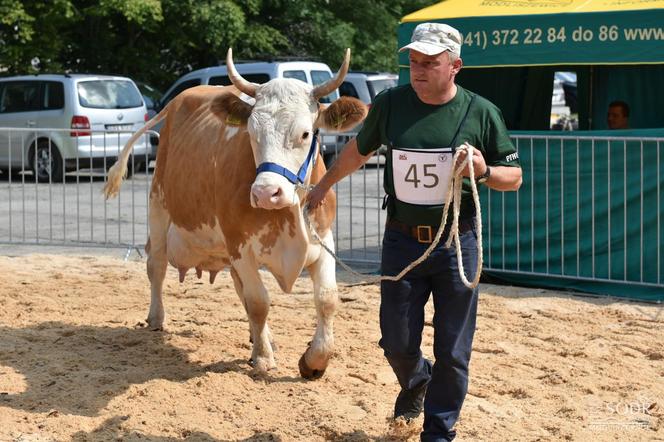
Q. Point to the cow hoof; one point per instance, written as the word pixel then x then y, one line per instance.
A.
pixel 262 365
pixel 154 325
pixel 307 372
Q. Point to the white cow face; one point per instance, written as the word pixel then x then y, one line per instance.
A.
pixel 281 127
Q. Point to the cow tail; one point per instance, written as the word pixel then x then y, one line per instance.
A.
pixel 119 170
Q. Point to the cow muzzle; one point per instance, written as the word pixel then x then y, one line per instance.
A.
pixel 270 197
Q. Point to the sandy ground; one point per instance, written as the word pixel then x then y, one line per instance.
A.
pixel 74 365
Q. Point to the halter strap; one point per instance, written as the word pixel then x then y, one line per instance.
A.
pixel 290 176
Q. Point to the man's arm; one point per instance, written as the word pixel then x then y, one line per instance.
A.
pixel 348 161
pixel 503 178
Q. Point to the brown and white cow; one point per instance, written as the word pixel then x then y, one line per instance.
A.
pixel 210 209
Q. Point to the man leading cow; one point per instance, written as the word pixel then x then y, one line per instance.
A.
pixel 422 123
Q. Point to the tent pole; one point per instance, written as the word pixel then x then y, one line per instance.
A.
pixel 590 100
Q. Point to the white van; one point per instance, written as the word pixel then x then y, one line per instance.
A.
pixel 310 72
pixel 94 116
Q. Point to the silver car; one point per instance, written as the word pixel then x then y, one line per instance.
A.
pixel 52 124
pixel 366 85
pixel 363 86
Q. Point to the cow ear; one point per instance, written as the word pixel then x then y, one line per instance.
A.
pixel 342 115
pixel 231 109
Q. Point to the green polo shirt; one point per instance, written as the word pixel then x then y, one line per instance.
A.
pixel 398 118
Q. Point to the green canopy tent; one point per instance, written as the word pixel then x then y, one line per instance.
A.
pixel 589 214
pixel 512 49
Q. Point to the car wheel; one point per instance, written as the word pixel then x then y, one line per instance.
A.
pixel 46 163
pixel 140 166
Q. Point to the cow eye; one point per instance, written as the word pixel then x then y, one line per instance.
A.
pixel 305 135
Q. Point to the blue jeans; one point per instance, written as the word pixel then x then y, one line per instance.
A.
pixel 402 321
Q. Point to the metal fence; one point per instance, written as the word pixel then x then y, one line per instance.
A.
pixel 358 230
pixel 589 208
pixel 589 211
pixel 39 205
pixel 72 212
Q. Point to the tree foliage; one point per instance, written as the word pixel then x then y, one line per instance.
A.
pixel 156 41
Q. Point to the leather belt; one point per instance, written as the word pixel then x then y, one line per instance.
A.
pixel 425 233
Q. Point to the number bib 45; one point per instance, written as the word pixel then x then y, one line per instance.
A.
pixel 421 176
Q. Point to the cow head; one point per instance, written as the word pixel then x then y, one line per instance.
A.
pixel 282 127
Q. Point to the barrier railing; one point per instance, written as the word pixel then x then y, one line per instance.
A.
pixel 588 215
pixel 51 184
pixel 589 209
pixel 358 230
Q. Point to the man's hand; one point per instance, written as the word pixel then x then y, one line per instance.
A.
pixel 348 161
pixel 479 165
pixel 315 197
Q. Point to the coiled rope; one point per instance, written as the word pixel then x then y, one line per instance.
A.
pixel 454 184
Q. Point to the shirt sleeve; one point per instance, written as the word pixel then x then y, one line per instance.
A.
pixel 370 137
pixel 500 150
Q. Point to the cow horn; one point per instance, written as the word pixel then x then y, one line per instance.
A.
pixel 237 80
pixel 327 87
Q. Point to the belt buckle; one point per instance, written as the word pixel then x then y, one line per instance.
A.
pixel 428 237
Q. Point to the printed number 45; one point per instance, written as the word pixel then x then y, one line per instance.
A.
pixel 411 176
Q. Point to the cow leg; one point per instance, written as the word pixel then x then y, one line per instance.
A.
pixel 237 283
pixel 159 221
pixel 314 361
pixel 256 302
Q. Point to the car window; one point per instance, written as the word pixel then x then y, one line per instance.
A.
pixel 223 80
pixel 377 86
pixel 20 96
pixel 319 77
pixel 109 94
pixel 298 75
pixel 54 95
pixel 179 88
pixel 148 91
pixel 348 90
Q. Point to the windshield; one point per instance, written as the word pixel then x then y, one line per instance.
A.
pixel 109 94
pixel 298 75
pixel 377 86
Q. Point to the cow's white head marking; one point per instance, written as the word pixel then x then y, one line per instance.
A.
pixel 282 125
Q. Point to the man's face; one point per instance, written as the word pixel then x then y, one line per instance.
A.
pixel 432 75
pixel 616 119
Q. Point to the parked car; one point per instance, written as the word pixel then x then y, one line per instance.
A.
pixel 310 72
pixel 150 95
pixel 87 106
pixel 564 106
pixel 363 86
pixel 151 98
pixel 366 85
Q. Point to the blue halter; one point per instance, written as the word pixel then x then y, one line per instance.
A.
pixel 290 176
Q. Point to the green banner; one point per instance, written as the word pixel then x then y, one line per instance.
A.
pixel 620 37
